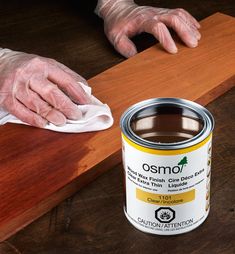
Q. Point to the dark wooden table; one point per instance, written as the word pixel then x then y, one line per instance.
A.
pixel 92 221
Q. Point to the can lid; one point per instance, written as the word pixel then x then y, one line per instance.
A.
pixel 147 105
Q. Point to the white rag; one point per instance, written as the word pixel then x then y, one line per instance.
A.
pixel 95 116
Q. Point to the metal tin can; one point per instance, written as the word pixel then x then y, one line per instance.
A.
pixel 167 163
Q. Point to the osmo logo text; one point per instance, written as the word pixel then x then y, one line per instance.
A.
pixel 166 169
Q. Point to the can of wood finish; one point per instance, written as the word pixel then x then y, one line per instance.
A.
pixel 166 147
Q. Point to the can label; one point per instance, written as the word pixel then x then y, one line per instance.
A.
pixel 167 191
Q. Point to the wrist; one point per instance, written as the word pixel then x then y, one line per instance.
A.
pixel 4 51
pixel 105 7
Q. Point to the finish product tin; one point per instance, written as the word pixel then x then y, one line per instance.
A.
pixel 167 164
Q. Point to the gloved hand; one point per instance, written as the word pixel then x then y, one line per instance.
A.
pixel 124 19
pixel 38 90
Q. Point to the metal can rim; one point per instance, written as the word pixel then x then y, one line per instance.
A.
pixel 202 111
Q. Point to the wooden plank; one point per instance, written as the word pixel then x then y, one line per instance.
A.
pixel 39 168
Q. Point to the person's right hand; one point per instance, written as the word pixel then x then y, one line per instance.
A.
pixel 124 19
pixel 39 90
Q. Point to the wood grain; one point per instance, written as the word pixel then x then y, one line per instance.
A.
pixel 38 166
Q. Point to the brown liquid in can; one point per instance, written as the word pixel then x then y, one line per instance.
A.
pixel 166 126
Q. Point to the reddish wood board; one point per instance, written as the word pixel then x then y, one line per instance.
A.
pixel 39 168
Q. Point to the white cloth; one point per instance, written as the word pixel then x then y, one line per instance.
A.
pixel 95 116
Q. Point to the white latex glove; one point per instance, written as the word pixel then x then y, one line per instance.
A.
pixel 123 19
pixel 95 116
pixel 39 90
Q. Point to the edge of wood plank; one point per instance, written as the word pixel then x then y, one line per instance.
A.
pixel 217 91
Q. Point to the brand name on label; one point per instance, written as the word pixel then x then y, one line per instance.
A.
pixel 166 169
